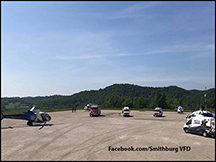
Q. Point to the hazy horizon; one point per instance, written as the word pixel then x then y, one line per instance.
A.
pixel 104 88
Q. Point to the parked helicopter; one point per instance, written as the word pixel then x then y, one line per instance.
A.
pixel 179 109
pixel 32 115
pixel 88 107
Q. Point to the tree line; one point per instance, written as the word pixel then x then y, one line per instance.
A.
pixel 118 96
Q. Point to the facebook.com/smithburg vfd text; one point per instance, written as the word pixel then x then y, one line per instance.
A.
pixel 150 148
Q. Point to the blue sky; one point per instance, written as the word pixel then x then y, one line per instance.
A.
pixel 62 48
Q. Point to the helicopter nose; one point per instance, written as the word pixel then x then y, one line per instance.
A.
pixel 48 117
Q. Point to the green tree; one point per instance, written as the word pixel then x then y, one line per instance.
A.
pixel 162 101
pixel 114 101
pixel 128 102
pixel 142 102
pixel 3 108
pixel 211 103
pixel 155 102
pixel 159 100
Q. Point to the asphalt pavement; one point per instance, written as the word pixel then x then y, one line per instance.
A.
pixel 108 137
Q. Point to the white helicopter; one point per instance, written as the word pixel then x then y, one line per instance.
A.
pixel 32 115
pixel 88 107
pixel 179 109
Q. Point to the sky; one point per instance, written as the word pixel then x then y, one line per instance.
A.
pixel 65 47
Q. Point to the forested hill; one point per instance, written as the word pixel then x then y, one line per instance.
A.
pixel 118 95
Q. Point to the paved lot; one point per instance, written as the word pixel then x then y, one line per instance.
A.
pixel 76 136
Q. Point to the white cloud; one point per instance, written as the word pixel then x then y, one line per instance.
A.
pixel 91 56
pixel 140 6
pixel 132 12
pixel 211 46
pixel 190 48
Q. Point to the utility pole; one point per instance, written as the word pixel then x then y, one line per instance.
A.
pixel 205 98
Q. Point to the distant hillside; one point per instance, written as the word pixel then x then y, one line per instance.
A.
pixel 117 95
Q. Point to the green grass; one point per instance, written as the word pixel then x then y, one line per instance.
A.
pixel 13 112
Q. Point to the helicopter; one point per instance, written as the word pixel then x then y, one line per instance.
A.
pixel 88 107
pixel 179 109
pixel 32 115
